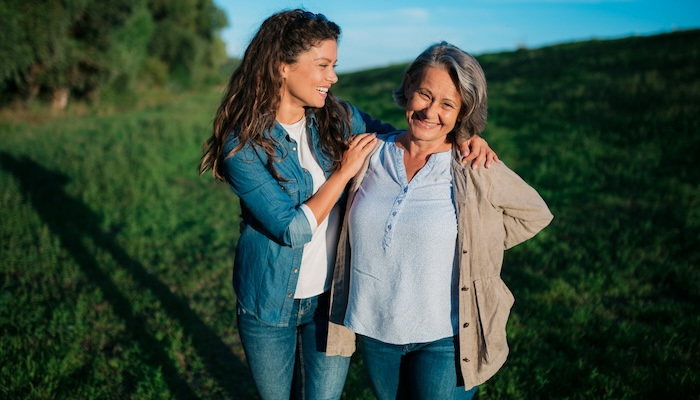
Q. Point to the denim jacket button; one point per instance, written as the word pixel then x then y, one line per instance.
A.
pixel 289 295
pixel 294 149
pixel 296 270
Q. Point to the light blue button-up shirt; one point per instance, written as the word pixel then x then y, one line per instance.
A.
pixel 402 239
pixel 274 227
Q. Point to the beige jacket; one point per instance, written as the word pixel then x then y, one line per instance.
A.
pixel 496 210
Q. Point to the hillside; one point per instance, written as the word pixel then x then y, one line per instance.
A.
pixel 116 256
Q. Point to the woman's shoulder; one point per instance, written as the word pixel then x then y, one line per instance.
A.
pixel 235 138
pixel 233 141
pixel 389 136
pixel 495 171
pixel 361 122
pixel 353 112
pixel 497 175
pixel 236 149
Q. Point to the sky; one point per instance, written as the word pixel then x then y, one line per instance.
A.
pixel 379 33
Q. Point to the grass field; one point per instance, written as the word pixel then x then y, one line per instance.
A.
pixel 116 257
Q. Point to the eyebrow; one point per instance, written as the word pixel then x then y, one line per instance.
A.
pixel 424 89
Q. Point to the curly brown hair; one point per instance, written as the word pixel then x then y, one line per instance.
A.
pixel 249 105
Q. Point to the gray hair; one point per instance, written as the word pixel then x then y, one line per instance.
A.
pixel 470 81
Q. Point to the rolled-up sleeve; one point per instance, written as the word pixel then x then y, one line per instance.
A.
pixel 300 230
pixel 310 217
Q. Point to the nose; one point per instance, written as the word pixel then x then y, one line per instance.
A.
pixel 332 77
pixel 431 110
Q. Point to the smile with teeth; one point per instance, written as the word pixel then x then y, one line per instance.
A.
pixel 322 89
pixel 426 124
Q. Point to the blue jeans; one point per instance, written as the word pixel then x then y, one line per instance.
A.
pixel 418 371
pixel 281 356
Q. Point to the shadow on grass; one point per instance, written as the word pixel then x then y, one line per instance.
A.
pixel 71 221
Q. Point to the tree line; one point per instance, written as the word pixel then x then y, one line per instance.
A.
pixel 58 50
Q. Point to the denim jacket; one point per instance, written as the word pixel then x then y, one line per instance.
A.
pixel 273 228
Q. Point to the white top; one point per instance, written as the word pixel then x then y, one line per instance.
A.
pixel 315 273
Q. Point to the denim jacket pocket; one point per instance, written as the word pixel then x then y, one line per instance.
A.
pixel 494 301
pixel 291 187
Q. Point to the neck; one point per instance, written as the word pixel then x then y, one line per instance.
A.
pixel 289 114
pixel 417 152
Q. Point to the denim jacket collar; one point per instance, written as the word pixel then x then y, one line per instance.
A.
pixel 278 133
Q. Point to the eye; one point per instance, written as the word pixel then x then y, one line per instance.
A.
pixel 326 65
pixel 424 95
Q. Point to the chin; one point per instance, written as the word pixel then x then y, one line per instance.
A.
pixel 318 103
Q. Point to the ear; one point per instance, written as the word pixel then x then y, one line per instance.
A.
pixel 284 68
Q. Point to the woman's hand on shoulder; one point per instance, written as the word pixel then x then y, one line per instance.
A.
pixel 477 150
pixel 354 157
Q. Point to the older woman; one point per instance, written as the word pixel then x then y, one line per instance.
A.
pixel 417 275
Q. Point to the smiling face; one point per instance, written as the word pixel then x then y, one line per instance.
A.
pixel 433 105
pixel 306 82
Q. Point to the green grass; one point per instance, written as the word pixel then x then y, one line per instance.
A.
pixel 115 257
